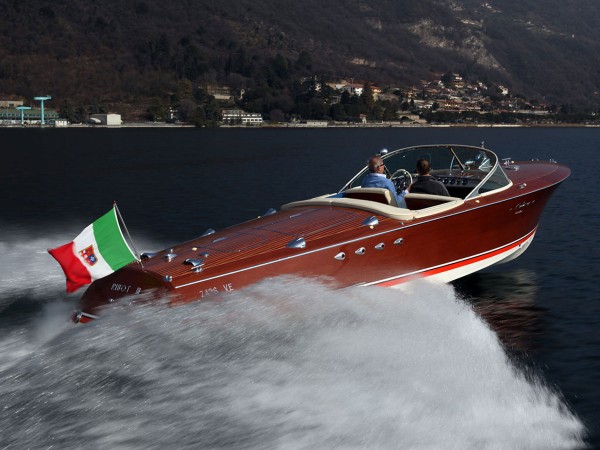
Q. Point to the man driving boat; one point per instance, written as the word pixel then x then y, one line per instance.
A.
pixel 377 178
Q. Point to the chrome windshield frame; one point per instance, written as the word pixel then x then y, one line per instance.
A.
pixel 484 153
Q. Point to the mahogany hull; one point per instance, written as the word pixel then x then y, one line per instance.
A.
pixel 341 250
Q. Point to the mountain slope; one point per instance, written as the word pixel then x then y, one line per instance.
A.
pixel 137 52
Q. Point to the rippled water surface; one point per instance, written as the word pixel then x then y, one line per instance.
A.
pixel 506 358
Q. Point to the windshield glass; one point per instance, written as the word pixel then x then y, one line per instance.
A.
pixel 461 168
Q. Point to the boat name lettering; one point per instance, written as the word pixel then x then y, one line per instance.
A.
pixel 520 206
pixel 228 287
pixel 120 287
pixel 208 292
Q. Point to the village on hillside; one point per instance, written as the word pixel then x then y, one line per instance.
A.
pixel 444 99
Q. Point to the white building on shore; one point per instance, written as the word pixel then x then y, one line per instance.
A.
pixel 107 119
pixel 238 116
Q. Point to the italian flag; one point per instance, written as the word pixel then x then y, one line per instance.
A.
pixel 98 251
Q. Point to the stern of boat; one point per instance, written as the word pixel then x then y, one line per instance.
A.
pixel 129 282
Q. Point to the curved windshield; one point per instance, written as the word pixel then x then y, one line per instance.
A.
pixel 466 171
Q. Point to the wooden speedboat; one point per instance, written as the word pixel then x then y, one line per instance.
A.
pixel 358 236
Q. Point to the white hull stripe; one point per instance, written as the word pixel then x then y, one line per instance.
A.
pixel 465 266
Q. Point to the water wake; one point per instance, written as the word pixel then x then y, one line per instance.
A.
pixel 28 269
pixel 287 363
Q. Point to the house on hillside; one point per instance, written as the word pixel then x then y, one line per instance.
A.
pixel 354 89
pixel 10 103
pixel 223 93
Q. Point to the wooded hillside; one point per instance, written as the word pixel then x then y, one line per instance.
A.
pixel 132 56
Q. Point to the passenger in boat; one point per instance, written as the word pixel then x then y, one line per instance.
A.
pixel 426 183
pixel 377 178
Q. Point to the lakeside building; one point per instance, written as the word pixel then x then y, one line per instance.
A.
pixel 10 103
pixel 32 116
pixel 238 116
pixel 111 120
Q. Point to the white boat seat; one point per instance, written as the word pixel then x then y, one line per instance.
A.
pixel 431 204
pixel 392 212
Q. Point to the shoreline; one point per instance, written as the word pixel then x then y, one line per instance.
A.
pixel 310 126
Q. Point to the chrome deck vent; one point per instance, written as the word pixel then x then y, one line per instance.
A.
pixel 370 221
pixel 340 256
pixel 297 243
pixel 380 246
pixel 148 255
pixel 208 232
pixel 399 241
pixel 194 262
pixel 361 251
pixel 197 264
pixel 170 256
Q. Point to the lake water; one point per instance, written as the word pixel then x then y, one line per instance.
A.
pixel 506 358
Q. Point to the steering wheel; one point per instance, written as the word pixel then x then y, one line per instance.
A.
pixel 402 179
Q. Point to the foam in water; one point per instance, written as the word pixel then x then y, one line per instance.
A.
pixel 28 269
pixel 287 363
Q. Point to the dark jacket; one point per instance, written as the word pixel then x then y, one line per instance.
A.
pixel 426 184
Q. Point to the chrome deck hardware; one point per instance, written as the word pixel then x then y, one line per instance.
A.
pixel 194 262
pixel 370 221
pixel 297 243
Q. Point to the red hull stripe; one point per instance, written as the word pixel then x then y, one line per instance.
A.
pixel 458 264
pixel 85 318
pixel 76 273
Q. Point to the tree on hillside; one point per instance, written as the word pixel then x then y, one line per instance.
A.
pixel 304 62
pixel 366 98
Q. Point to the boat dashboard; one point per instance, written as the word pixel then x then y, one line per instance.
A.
pixel 459 183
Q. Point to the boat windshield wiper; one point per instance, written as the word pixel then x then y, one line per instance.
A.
pixel 462 166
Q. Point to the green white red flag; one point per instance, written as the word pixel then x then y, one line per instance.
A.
pixel 96 252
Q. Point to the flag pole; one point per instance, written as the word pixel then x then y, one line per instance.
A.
pixel 137 255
